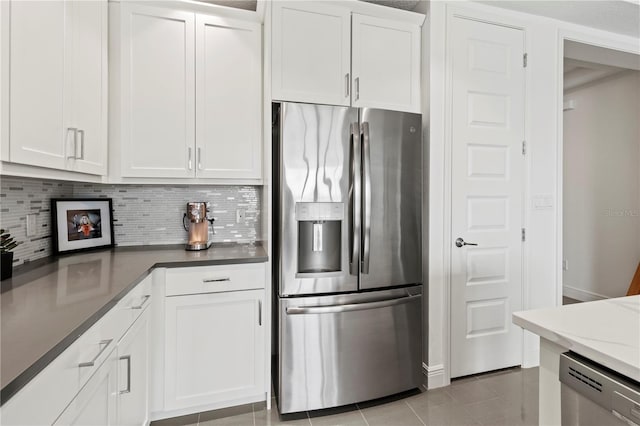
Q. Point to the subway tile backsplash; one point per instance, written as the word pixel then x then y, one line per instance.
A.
pixel 142 214
pixel 19 197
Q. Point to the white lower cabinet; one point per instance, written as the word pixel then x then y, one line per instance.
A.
pixel 214 348
pixel 207 349
pixel 96 402
pixel 133 391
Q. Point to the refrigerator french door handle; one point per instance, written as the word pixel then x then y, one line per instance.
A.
pixel 366 198
pixel 332 309
pixel 354 200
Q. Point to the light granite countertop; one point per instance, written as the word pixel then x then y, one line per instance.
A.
pixel 605 331
pixel 46 307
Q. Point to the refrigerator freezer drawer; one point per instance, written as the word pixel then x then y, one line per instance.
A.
pixel 337 350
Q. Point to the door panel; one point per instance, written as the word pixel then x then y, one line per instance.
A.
pixel 311 53
pixel 314 167
pixel 229 362
pixel 158 105
pixel 487 182
pixel 392 204
pixel 133 377
pixel 228 98
pixel 37 67
pixel 385 64
pixel 338 350
pixel 89 85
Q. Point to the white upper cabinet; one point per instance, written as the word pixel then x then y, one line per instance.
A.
pixel 88 86
pixel 186 95
pixel 57 85
pixel 38 37
pixel 228 98
pixel 157 108
pixel 329 55
pixel 385 64
pixel 311 53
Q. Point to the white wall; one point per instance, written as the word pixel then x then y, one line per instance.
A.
pixel 601 214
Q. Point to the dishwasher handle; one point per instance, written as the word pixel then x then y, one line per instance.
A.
pixel 350 307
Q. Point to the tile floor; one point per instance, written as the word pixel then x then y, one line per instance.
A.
pixel 569 301
pixel 506 397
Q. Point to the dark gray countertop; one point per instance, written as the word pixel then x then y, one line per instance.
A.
pixel 45 307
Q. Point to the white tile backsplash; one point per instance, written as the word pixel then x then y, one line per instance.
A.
pixel 143 214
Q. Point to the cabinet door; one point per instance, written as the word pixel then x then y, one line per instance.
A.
pixel 311 53
pixel 96 402
pixel 228 98
pixel 37 67
pixel 385 64
pixel 158 92
pixel 214 348
pixel 88 90
pixel 132 374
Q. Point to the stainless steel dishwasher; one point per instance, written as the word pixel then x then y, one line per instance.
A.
pixel 594 395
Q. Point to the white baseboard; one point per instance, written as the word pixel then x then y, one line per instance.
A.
pixel 434 375
pixel 580 294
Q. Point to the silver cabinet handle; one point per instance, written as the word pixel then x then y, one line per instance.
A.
pixel 189 154
pixel 144 300
pixel 346 86
pixel 357 88
pixel 128 359
pixel 332 309
pixel 81 133
pixel 354 200
pixel 260 312
pixel 461 243
pixel 75 141
pixel 199 158
pixel 216 280
pixel 366 198
pixel 105 344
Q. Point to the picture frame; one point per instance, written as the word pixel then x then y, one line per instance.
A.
pixel 81 224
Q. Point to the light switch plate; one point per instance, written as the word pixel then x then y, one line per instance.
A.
pixel 542 202
pixel 31 225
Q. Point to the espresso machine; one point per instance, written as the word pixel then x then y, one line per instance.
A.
pixel 196 222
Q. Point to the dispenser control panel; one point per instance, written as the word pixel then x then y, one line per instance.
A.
pixel 319 211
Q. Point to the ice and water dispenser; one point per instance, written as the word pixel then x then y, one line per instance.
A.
pixel 320 227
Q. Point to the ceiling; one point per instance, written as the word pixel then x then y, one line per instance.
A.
pixel 584 63
pixel 251 4
pixel 578 73
pixel 617 16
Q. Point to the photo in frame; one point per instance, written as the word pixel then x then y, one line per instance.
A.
pixel 81 224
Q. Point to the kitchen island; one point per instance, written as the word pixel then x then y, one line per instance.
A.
pixel 605 331
pixel 49 305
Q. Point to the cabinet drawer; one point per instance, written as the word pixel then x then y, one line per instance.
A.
pixel 215 279
pixel 138 299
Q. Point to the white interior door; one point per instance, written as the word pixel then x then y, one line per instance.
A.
pixel 487 184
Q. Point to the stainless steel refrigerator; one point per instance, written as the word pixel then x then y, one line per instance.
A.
pixel 348 254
